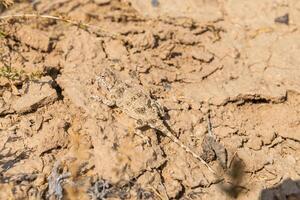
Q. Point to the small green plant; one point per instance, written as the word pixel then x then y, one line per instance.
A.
pixel 13 74
pixel 2 34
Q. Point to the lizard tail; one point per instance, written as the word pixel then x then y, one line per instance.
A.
pixel 168 133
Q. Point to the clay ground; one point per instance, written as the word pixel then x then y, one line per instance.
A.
pixel 237 61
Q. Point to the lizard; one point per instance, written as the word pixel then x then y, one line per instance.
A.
pixel 137 104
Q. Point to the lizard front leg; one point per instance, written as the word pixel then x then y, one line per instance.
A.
pixel 158 109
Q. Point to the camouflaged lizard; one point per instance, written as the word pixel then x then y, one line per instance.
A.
pixel 137 104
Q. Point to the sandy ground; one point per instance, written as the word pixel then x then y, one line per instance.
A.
pixel 237 61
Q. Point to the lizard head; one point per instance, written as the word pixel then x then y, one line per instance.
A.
pixel 106 79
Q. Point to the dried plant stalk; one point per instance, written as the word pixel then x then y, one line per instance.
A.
pixel 7 3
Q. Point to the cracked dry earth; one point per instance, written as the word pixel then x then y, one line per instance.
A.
pixel 237 61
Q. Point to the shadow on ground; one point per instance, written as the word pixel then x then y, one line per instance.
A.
pixel 287 190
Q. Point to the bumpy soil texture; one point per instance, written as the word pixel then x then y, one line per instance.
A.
pixel 226 72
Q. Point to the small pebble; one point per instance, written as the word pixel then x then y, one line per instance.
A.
pixel 154 3
pixel 284 19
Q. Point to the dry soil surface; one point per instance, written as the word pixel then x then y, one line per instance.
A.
pixel 235 61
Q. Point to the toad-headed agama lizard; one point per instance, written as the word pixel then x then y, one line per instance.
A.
pixel 137 104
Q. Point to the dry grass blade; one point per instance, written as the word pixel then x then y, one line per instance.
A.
pixel 7 3
pixel 81 25
pixel 43 16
